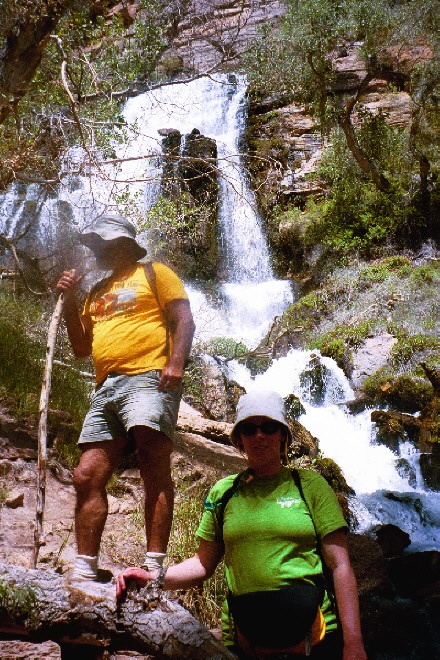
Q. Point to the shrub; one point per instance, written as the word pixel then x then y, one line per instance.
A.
pixel 22 346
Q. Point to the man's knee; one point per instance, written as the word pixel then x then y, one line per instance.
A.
pixel 154 454
pixel 88 476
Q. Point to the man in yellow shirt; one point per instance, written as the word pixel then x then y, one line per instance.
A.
pixel 138 326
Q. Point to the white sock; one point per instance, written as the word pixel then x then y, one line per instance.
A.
pixel 85 568
pixel 153 561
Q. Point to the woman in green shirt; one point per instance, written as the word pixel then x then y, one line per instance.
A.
pixel 275 528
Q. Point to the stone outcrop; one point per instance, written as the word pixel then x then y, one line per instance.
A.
pixel 189 181
pixel 215 32
pixel 370 356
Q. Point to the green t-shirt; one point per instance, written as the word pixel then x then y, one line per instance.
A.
pixel 268 533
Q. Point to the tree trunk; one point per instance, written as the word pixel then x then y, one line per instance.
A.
pixel 146 621
pixel 26 29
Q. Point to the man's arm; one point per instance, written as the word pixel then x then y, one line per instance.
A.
pixel 79 335
pixel 334 548
pixel 182 329
pixel 188 573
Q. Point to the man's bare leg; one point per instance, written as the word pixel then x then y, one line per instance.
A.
pixel 154 452
pixel 90 479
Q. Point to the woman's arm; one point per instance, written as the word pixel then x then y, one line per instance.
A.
pixel 334 548
pixel 188 573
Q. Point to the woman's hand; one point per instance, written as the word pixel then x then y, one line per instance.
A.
pixel 139 575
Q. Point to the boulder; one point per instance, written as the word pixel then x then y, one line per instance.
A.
pixel 371 356
pixel 392 540
pixel 313 380
pixel 393 426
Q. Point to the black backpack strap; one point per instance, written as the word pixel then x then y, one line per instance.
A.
pixel 220 506
pixel 98 286
pixel 328 578
pixel 150 275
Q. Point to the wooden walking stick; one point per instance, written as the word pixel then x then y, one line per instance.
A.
pixel 42 427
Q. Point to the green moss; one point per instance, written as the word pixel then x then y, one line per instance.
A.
pixel 338 342
pixel 294 407
pixel 380 270
pixel 258 364
pixel 425 274
pixel 405 391
pixel 408 346
pixel 225 347
pixel 307 311
pixel 19 602
pixel 333 474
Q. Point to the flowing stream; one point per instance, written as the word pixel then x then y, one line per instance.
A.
pixel 251 296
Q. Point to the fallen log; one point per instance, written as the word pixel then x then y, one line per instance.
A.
pixel 146 621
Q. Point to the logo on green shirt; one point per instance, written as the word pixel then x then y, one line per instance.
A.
pixel 286 502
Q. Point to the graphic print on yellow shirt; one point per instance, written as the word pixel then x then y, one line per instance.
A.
pixel 128 326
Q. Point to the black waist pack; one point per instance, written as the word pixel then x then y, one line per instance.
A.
pixel 277 619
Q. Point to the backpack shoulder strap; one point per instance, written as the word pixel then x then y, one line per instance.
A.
pixel 328 578
pixel 99 285
pixel 150 275
pixel 246 475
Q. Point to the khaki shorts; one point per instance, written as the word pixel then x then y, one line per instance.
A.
pixel 121 402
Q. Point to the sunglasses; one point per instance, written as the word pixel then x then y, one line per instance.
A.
pixel 268 428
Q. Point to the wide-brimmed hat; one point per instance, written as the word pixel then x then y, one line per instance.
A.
pixel 108 227
pixel 260 404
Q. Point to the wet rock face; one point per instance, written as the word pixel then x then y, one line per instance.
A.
pixel 314 380
pixel 430 468
pixel 189 181
pixel 398 599
pixel 392 540
pixel 373 354
pixel 197 167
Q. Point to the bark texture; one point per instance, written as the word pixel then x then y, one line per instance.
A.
pixel 146 620
pixel 26 26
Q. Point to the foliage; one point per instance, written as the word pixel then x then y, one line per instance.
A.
pixel 225 347
pixel 179 233
pixel 378 193
pixel 19 602
pixel 103 57
pixel 356 216
pixel 22 345
pixel 204 602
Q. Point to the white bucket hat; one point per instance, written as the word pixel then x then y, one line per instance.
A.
pixel 108 227
pixel 260 404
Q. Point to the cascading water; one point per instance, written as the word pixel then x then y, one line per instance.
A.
pixel 382 495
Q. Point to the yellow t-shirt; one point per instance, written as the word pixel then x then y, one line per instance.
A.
pixel 128 327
